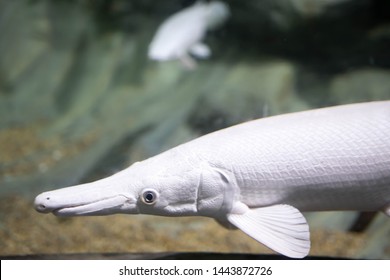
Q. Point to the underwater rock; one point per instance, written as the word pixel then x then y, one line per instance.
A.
pixel 367 84
pixel 249 91
pixel 378 241
pixel 286 14
pixel 331 220
pixel 26 28
pixel 310 8
pixel 36 57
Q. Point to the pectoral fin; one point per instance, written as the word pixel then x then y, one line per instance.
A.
pixel 282 228
pixel 200 50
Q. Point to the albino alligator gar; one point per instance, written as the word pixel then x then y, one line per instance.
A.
pixel 183 33
pixel 257 176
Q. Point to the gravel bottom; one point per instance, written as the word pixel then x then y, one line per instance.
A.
pixel 23 231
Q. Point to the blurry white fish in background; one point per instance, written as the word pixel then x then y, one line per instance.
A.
pixel 182 33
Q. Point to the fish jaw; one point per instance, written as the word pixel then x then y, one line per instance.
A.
pixel 86 200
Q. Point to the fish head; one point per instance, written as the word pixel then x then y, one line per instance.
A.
pixel 217 13
pixel 176 43
pixel 176 35
pixel 139 189
pixel 170 195
pixel 103 197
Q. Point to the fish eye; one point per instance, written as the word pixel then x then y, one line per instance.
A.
pixel 149 196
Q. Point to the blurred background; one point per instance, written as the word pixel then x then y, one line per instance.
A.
pixel 80 100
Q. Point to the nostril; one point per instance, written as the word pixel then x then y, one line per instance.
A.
pixel 40 207
pixel 42 204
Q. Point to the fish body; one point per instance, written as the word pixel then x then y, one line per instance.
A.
pixel 183 33
pixel 258 176
pixel 319 160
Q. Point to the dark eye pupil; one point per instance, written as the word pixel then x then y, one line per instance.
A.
pixel 149 197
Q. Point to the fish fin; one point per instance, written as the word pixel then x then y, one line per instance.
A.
pixel 282 228
pixel 200 50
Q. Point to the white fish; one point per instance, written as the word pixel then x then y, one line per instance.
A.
pixel 183 32
pixel 257 176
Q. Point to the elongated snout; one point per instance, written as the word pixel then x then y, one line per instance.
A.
pixel 86 200
pixel 42 203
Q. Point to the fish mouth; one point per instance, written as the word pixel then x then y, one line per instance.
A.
pixel 106 206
